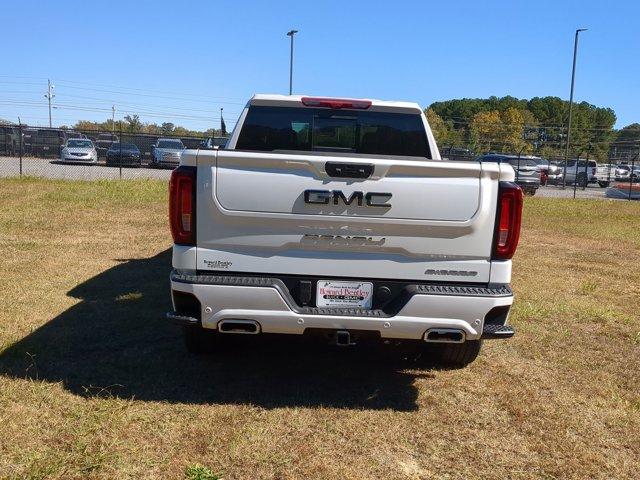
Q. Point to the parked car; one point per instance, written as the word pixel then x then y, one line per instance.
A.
pixel 212 143
pixel 124 154
pixel 624 173
pixel 166 152
pixel 581 172
pixel 79 150
pixel 302 226
pixel 103 142
pixel 554 175
pixel 543 167
pixel 527 171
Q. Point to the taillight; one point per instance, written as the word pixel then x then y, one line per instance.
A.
pixel 182 205
pixel 336 103
pixel 508 221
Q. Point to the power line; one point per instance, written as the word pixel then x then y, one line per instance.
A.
pixel 117 87
pixel 201 98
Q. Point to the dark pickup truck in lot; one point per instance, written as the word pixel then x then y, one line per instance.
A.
pixel 103 142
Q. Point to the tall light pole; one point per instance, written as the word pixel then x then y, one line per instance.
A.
pixel 49 96
pixel 573 78
pixel 113 119
pixel 291 33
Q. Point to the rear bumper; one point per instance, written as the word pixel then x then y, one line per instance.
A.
pixel 79 159
pixel 124 161
pixel 164 163
pixel 165 160
pixel 268 302
pixel 527 183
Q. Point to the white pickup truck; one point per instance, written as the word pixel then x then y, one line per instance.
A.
pixel 337 218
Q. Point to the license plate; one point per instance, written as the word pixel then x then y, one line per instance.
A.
pixel 330 293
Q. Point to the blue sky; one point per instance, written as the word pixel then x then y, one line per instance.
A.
pixel 181 62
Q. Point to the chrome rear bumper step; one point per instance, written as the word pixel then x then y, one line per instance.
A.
pixel 182 319
pixel 497 331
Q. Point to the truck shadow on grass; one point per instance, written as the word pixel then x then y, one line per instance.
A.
pixel 116 342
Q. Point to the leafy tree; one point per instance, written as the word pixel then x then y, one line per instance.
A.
pixel 513 127
pixel 134 125
pixel 627 142
pixel 486 130
pixel 438 127
pixel 167 128
pixel 541 124
pixel 629 134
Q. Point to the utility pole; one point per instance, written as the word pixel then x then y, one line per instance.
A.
pixel 573 78
pixel 49 96
pixel 291 33
pixel 113 119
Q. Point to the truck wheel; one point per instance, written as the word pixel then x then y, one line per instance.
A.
pixel 603 184
pixel 582 181
pixel 458 355
pixel 198 340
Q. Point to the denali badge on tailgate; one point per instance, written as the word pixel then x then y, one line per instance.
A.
pixel 323 197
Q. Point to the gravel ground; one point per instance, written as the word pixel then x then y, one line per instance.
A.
pixel 592 191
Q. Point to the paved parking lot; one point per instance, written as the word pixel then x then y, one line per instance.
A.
pixel 49 168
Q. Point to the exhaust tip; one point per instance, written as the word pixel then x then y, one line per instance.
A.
pixel 444 335
pixel 247 327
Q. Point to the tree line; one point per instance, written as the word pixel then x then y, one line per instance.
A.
pixel 133 124
pixel 499 124
pixel 536 126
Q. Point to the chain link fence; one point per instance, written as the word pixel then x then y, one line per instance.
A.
pixel 92 154
pixel 115 154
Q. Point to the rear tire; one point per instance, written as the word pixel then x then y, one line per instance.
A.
pixel 198 340
pixel 582 181
pixel 603 184
pixel 458 355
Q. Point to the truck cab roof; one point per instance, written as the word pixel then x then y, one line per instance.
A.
pixel 299 101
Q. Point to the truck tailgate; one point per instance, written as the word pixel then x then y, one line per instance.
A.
pixel 283 213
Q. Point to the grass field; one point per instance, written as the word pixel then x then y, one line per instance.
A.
pixel 95 384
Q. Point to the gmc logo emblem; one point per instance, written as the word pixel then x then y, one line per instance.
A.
pixel 324 197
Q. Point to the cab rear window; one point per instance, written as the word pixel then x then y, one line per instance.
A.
pixel 267 129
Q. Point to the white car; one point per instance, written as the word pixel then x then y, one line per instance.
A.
pixel 166 152
pixel 79 150
pixel 337 218
pixel 624 173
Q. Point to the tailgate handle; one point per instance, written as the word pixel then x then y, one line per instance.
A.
pixel 348 170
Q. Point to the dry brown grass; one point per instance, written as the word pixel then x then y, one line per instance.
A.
pixel 95 384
